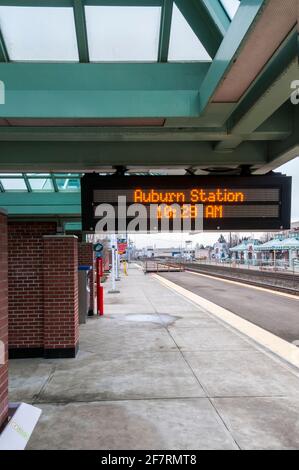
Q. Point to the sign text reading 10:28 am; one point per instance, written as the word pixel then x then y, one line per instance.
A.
pixel 188 200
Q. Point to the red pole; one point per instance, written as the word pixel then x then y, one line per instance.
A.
pixel 101 306
pixel 100 289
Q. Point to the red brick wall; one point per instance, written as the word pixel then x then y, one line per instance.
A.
pixel 60 274
pixel 86 257
pixel 25 283
pixel 3 320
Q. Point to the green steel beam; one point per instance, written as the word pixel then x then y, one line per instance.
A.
pixel 218 14
pixel 81 31
pixel 116 90
pixel 276 70
pixel 4 57
pixel 202 24
pixel 271 100
pixel 50 204
pixel 273 70
pixel 165 26
pixel 91 156
pixel 283 151
pixel 26 180
pixel 274 129
pixel 103 76
pixel 114 134
pixel 54 182
pixel 279 126
pixel 235 37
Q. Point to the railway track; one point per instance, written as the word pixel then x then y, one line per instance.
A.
pixel 282 282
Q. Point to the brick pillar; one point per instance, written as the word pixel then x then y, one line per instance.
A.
pixel 3 320
pixel 61 322
pixel 86 257
pixel 25 287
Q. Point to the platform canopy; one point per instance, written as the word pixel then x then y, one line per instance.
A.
pixel 288 243
pixel 42 195
pixel 198 85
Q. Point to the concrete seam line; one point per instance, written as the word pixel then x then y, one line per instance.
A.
pixel 242 284
pixel 278 346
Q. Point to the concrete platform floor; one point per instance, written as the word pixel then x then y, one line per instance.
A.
pixel 158 372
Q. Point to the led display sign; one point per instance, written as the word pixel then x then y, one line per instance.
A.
pixel 222 203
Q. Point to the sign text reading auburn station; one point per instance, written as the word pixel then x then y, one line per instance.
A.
pixel 194 195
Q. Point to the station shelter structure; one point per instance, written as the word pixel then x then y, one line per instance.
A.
pixel 178 86
pixel 281 249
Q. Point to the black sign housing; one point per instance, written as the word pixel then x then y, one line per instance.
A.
pixel 243 203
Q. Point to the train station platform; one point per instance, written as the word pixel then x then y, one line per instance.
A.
pixel 159 372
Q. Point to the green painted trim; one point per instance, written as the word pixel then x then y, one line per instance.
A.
pixel 103 76
pixel 198 17
pixel 244 19
pixel 165 26
pixel 81 30
pixel 38 203
pixel 73 226
pixel 65 90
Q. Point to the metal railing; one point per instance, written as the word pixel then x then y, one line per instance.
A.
pixel 161 266
pixel 259 265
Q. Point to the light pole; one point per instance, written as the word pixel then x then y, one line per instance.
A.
pixel 113 290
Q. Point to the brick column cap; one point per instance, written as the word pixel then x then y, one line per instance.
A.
pixel 3 211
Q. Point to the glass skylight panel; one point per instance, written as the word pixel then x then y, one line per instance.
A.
pixel 13 184
pixel 184 45
pixel 39 33
pixel 41 184
pixel 231 7
pixel 68 184
pixel 123 34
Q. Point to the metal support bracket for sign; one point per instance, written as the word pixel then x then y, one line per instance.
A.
pixel 119 170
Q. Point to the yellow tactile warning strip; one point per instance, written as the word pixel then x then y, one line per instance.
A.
pixel 242 284
pixel 282 348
